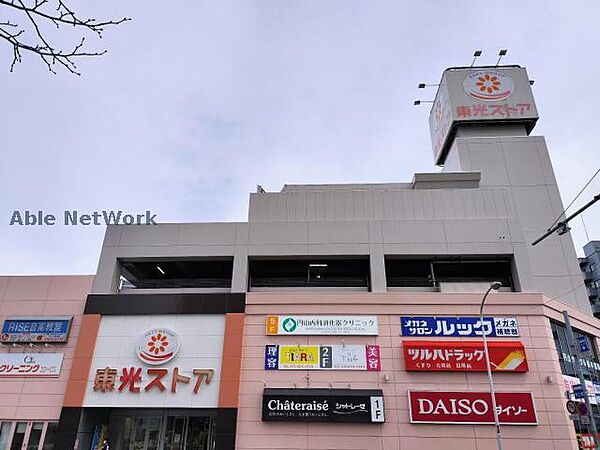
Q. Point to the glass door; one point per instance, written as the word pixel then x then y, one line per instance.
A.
pixel 141 433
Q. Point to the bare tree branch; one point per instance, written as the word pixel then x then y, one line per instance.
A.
pixel 36 17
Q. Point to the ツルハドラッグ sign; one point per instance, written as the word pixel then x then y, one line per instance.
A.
pixel 464 356
pixel 515 408
pixel 323 405
pixel 322 325
pixel 423 326
pixel 322 357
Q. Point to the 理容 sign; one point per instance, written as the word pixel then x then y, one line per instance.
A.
pixel 423 326
pixel 323 405
pixel 324 357
pixel 322 325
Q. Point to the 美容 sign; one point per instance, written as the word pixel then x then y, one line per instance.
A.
pixel 423 326
pixel 322 357
pixel 323 405
pixel 36 329
pixel 464 356
pixel 322 325
pixel 30 364
pixel 515 408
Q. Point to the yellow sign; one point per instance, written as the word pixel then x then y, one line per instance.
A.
pixel 299 356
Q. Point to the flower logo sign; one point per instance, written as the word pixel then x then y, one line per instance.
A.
pixel 158 346
pixel 488 85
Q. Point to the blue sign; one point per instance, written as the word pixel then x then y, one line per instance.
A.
pixel 583 343
pixel 578 391
pixel 36 329
pixel 423 326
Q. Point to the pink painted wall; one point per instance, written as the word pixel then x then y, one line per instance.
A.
pixel 554 431
pixel 40 398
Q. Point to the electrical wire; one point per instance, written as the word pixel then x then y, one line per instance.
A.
pixel 576 197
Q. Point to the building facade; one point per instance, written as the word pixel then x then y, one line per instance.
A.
pixel 590 268
pixel 40 319
pixel 347 316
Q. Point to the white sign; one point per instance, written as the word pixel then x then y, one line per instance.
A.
pixel 322 325
pixel 120 378
pixel 158 346
pixel 30 364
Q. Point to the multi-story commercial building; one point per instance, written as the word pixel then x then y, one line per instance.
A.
pixel 347 316
pixel 590 268
pixel 40 319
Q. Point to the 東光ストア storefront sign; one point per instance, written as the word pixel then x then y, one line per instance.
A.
pixel 515 408
pixel 158 346
pixel 36 329
pixel 322 357
pixel 157 361
pixel 30 364
pixel 423 326
pixel 322 325
pixel 464 356
pixel 323 405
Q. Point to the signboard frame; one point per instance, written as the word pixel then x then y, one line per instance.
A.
pixel 365 397
pixel 489 403
pixel 33 335
pixel 322 325
pixel 456 322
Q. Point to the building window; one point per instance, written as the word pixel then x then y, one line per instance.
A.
pixel 317 272
pixel 4 434
pixel 50 436
pixel 207 273
pixel 589 364
pixel 435 273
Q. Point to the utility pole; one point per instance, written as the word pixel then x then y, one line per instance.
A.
pixel 574 353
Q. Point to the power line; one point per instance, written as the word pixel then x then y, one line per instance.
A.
pixel 576 197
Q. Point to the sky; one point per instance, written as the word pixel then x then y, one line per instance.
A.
pixel 197 102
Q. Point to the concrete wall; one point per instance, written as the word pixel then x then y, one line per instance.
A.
pixel 40 398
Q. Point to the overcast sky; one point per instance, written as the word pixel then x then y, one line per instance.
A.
pixel 197 102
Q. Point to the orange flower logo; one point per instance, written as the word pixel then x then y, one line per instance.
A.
pixel 157 346
pixel 488 83
pixel 158 343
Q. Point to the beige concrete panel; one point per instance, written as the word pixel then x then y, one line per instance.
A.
pixel 278 233
pixel 206 233
pixel 416 231
pixel 338 232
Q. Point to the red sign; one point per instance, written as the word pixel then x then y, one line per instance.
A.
pixel 514 408
pixel 464 356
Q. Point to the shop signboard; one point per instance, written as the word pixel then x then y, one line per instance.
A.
pixel 570 382
pixel 322 357
pixel 479 95
pixel 155 361
pixel 464 356
pixel 36 329
pixel 425 326
pixel 515 408
pixel 322 325
pixel 30 364
pixel 323 405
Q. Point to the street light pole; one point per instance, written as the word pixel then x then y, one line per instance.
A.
pixel 493 287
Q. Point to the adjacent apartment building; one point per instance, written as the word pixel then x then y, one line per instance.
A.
pixel 347 316
pixel 590 268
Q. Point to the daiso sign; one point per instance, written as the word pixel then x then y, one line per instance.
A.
pixel 514 408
